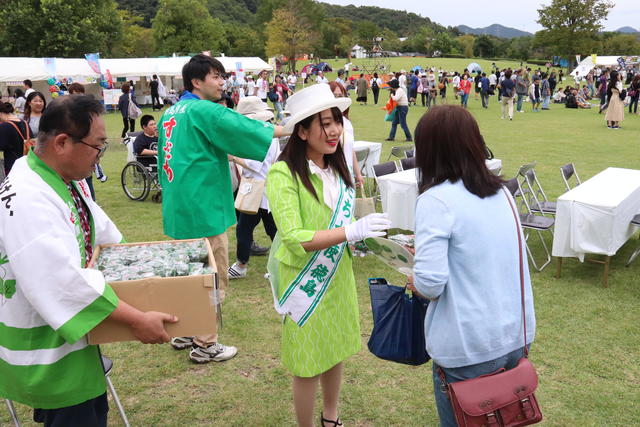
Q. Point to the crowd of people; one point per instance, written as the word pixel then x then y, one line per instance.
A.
pixel 223 131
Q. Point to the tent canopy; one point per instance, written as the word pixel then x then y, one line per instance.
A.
pixel 587 64
pixel 35 69
pixel 474 67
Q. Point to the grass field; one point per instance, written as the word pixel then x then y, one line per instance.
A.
pixel 587 344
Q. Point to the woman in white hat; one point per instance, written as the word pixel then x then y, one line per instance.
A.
pixel 311 196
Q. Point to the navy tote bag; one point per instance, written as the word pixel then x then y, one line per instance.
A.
pixel 398 324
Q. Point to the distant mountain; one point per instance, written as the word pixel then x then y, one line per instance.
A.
pixel 626 30
pixel 495 30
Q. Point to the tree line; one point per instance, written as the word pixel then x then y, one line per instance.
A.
pixel 288 28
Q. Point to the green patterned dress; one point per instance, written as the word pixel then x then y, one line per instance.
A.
pixel 332 333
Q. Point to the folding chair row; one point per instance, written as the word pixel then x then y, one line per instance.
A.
pixel 530 222
pixel 401 152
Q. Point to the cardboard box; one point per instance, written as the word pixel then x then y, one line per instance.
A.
pixel 191 298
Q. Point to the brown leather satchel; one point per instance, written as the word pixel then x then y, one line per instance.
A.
pixel 504 398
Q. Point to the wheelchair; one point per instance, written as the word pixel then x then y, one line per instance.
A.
pixel 139 177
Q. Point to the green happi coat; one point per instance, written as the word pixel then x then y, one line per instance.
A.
pixel 332 333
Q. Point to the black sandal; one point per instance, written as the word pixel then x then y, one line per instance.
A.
pixel 335 423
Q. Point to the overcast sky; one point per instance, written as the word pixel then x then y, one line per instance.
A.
pixel 477 13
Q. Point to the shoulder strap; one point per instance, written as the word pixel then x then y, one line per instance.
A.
pixel 26 125
pixel 524 317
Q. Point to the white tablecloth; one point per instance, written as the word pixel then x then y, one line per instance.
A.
pixel 595 216
pixel 399 192
pixel 143 99
pixel 375 149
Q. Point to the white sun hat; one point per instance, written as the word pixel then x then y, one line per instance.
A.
pixel 310 101
pixel 254 108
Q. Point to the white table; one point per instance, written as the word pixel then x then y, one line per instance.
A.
pixel 594 217
pixel 399 192
pixel 375 149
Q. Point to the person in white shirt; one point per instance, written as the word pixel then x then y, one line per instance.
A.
pixel 320 78
pixel 239 85
pixel 251 86
pixel 340 80
pixel 28 88
pixel 400 96
pixel 456 84
pixel 292 80
pixel 402 80
pixel 262 86
pixel 254 108
pixel 493 80
pixel 348 136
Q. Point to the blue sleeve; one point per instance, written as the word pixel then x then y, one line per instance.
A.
pixel 434 224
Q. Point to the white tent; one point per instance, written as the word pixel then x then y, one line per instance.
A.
pixel 358 51
pixel 35 69
pixel 587 65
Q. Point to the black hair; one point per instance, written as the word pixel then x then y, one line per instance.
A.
pixel 155 77
pixel 449 147
pixel 295 154
pixel 28 83
pixel 18 93
pixel 226 100
pixel 144 120
pixel 613 80
pixel 72 115
pixel 27 106
pixel 198 67
pixel 6 108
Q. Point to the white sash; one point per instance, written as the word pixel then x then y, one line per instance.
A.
pixel 305 292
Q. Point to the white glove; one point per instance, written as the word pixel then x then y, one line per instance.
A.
pixel 372 225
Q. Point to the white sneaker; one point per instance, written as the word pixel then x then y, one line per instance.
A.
pixel 215 352
pixel 180 343
pixel 237 272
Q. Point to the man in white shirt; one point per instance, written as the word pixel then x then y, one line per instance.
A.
pixel 493 80
pixel 292 80
pixel 321 78
pixel 28 88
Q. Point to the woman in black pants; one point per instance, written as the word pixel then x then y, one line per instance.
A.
pixel 375 87
pixel 123 106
